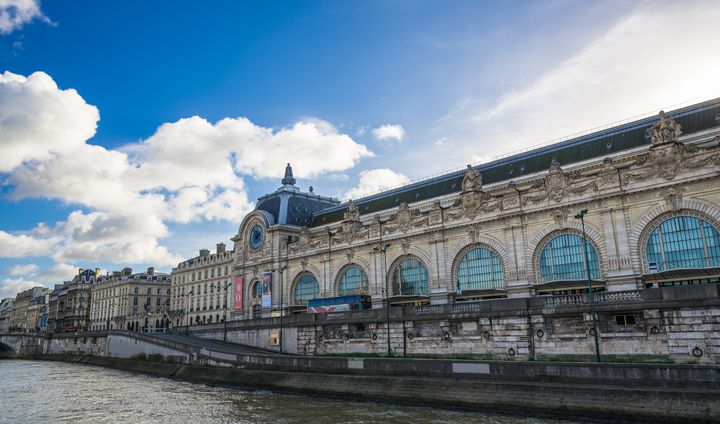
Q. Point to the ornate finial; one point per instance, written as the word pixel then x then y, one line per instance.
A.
pixel 288 180
pixel 665 130
pixel 311 189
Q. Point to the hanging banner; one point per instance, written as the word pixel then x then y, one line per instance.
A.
pixel 238 293
pixel 267 290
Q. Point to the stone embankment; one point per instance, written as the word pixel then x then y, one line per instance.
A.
pixel 657 393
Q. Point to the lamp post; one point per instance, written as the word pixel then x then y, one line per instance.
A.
pixel 387 293
pixel 581 217
pixel 187 312
pixel 226 310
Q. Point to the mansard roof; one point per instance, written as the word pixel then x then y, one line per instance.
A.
pixel 290 206
pixel 695 118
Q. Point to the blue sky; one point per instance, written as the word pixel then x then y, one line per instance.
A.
pixel 134 133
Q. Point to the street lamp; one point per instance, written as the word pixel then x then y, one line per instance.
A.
pixel 387 294
pixel 226 310
pixel 581 217
pixel 187 313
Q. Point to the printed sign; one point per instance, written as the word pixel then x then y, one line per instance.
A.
pixel 266 301
pixel 238 293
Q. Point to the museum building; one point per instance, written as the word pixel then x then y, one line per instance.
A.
pixel 503 229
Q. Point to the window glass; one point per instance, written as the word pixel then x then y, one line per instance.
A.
pixel 353 281
pixel 683 242
pixel 410 278
pixel 305 289
pixel 480 269
pixel 563 259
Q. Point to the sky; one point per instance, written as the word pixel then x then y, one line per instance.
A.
pixel 136 133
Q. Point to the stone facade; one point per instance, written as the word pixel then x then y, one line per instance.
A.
pixel 5 309
pixel 627 195
pixel 27 310
pixel 201 288
pixel 127 301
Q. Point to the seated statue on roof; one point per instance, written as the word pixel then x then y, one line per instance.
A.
pixel 665 130
pixel 352 213
pixel 472 181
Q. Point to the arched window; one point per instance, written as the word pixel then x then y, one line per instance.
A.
pixel 353 281
pixel 683 242
pixel 306 288
pixel 480 269
pixel 563 258
pixel 410 278
pixel 257 290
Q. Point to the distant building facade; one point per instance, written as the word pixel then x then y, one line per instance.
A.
pixel 133 302
pixel 201 287
pixel 69 306
pixel 5 309
pixel 28 309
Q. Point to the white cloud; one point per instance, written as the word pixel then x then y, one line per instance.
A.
pixel 25 269
pixel 10 287
pixel 16 13
pixel 56 273
pixel 39 120
pixel 655 57
pixel 375 180
pixel 188 170
pixel 389 132
pixel 24 245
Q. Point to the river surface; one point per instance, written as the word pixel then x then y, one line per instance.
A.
pixel 57 392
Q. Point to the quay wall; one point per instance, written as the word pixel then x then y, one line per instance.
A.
pixel 681 324
pixel 421 382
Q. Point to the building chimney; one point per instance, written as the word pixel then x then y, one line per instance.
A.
pixel 80 271
pixel 204 253
pixel 151 271
pixel 127 271
pixel 220 248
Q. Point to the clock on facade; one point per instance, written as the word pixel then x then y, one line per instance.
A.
pixel 256 237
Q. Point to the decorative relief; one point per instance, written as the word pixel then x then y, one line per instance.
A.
pixel 435 216
pixel 608 177
pixel 673 198
pixel 560 216
pixel 405 219
pixel 349 254
pixel 557 185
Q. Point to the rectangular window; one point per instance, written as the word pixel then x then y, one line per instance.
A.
pixel 625 319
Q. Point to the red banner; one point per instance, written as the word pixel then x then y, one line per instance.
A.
pixel 238 293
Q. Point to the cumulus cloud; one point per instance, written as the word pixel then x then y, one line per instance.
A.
pixel 24 269
pixel 25 244
pixel 56 273
pixel 10 287
pixel 375 180
pixel 653 58
pixel 389 132
pixel 39 120
pixel 187 171
pixel 16 13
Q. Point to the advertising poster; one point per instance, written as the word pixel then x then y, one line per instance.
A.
pixel 238 293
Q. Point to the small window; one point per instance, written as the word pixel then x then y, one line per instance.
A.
pixel 625 319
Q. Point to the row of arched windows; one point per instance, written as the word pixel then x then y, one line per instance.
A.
pixel 683 241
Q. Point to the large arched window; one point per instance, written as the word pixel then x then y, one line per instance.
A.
pixel 410 278
pixel 480 269
pixel 353 281
pixel 563 258
pixel 306 288
pixel 683 242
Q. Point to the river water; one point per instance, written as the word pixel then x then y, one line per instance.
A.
pixel 56 392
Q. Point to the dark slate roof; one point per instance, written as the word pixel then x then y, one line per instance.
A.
pixel 299 206
pixel 693 118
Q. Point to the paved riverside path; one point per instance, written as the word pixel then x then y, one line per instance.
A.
pixel 214 345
